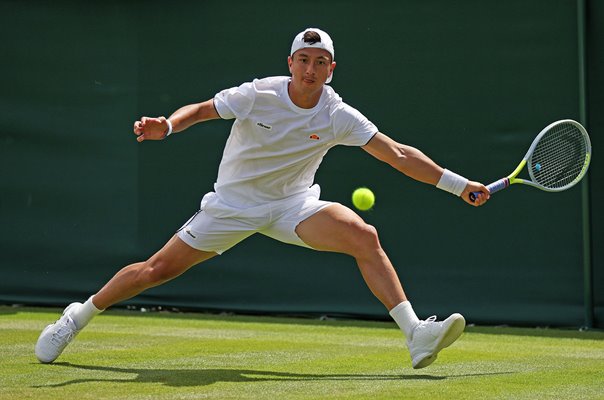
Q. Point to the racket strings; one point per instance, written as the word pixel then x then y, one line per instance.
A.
pixel 561 160
pixel 559 157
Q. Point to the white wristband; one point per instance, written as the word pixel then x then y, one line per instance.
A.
pixel 452 183
pixel 169 128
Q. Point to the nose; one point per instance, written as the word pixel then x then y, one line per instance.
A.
pixel 310 69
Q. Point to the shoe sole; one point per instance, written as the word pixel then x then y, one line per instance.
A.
pixel 449 335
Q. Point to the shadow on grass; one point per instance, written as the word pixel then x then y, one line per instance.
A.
pixel 204 377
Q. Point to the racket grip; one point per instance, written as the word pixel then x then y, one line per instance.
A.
pixel 493 187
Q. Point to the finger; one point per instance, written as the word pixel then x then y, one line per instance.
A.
pixel 140 138
pixel 147 120
pixel 477 201
pixel 144 122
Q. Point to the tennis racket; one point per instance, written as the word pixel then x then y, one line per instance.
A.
pixel 557 159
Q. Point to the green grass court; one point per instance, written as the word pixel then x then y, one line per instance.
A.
pixel 131 355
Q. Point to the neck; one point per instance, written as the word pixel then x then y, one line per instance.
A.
pixel 304 99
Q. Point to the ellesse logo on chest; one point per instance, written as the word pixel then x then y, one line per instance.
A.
pixel 264 126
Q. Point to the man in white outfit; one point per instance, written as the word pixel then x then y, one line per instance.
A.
pixel 283 128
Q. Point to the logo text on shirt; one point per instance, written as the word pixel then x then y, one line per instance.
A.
pixel 260 124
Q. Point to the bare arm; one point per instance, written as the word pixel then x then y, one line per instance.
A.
pixel 406 159
pixel 415 164
pixel 156 128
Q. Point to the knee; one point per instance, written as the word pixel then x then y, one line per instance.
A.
pixel 155 271
pixel 365 238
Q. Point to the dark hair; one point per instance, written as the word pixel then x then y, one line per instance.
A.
pixel 311 37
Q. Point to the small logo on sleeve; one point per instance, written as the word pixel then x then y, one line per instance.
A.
pixel 314 137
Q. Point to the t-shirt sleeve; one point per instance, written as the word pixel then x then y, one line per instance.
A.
pixel 353 128
pixel 236 102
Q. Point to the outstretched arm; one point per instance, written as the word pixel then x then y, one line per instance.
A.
pixel 157 128
pixel 415 164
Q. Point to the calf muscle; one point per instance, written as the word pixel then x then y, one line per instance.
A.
pixel 339 229
pixel 172 260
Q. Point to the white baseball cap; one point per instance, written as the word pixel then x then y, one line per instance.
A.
pixel 325 43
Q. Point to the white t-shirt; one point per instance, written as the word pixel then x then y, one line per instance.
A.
pixel 276 147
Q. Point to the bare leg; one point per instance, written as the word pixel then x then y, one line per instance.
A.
pixel 339 229
pixel 172 260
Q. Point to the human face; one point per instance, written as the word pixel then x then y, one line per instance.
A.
pixel 310 68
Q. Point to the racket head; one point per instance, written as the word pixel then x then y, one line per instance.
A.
pixel 559 156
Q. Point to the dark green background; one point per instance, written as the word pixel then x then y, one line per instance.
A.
pixel 469 82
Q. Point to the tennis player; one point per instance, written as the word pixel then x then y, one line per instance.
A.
pixel 283 128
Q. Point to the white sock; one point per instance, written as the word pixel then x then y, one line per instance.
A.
pixel 82 315
pixel 405 317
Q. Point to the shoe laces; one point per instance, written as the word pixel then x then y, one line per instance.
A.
pixel 424 326
pixel 64 334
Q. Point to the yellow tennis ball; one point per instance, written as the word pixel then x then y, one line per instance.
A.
pixel 363 198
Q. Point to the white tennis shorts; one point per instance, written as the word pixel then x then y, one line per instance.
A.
pixel 218 226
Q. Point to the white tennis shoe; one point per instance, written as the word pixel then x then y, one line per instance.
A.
pixel 55 337
pixel 429 337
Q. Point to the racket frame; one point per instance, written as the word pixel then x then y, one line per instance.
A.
pixel 511 178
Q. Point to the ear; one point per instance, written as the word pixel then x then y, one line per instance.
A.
pixel 290 61
pixel 333 66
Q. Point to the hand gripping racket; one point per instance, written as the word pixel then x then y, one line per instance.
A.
pixel 557 159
